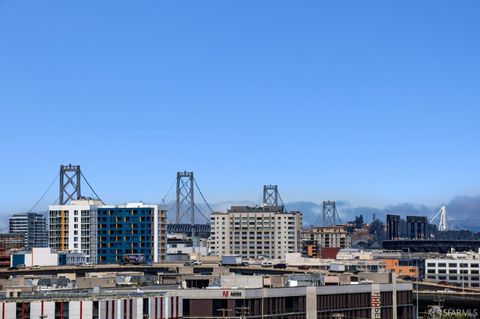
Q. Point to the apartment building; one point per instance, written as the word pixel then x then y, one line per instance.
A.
pixel 133 228
pixel 461 269
pixel 254 232
pixel 328 236
pixel 33 226
pixel 73 227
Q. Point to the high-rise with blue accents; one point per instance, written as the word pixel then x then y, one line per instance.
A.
pixel 133 228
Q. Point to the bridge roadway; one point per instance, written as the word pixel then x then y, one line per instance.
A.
pixel 447 296
pixel 154 269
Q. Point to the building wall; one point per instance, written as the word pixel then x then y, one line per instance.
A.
pixel 33 226
pixel 254 232
pixel 461 271
pixel 134 228
pixel 74 228
pixel 390 301
pixel 166 307
pixel 393 265
pixel 38 256
pixel 329 236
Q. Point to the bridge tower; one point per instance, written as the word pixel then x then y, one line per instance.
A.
pixel 185 197
pixel 70 176
pixel 329 213
pixel 270 195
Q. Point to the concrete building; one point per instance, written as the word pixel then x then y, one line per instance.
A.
pixel 386 301
pixel 73 227
pixel 12 241
pixel 461 269
pixel 81 304
pixel 316 238
pixel 133 228
pixel 253 232
pixel 35 257
pixel 180 247
pixel 33 226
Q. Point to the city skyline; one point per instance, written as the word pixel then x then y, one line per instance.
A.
pixel 374 103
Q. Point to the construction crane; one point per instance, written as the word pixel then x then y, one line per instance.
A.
pixel 442 223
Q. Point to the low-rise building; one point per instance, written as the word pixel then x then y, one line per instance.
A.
pixel 12 241
pixel 390 300
pixel 401 269
pixel 316 238
pixel 35 257
pixel 460 269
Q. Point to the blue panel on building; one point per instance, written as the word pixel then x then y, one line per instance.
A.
pixel 124 231
pixel 62 259
pixel 18 259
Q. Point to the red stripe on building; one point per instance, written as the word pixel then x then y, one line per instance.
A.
pixel 161 307
pixel 176 300
pixel 178 306
pixel 131 308
pixel 81 310
pixel 155 308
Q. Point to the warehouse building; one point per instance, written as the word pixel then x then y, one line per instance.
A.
pixel 386 301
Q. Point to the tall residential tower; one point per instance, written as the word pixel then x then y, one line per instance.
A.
pixel 133 228
pixel 33 226
pixel 73 227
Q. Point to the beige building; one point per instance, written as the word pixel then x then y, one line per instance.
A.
pixel 254 232
pixel 328 236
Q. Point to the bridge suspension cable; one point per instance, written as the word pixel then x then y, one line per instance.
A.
pixel 45 193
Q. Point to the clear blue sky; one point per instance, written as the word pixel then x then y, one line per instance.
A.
pixel 374 102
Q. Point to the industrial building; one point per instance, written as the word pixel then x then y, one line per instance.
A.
pixel 254 232
pixel 84 304
pixel 248 300
pixel 45 257
pixel 133 228
pixel 431 246
pixel 73 227
pixel 456 268
pixel 33 226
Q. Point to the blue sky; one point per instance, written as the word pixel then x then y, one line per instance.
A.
pixel 372 102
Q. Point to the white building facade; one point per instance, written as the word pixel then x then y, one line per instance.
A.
pixel 462 271
pixel 73 227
